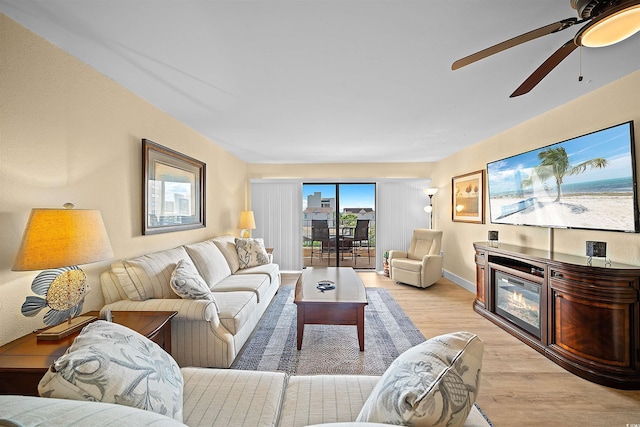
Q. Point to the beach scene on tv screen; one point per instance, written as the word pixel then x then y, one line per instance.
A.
pixel 585 182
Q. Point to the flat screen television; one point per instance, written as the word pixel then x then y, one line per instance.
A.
pixel 587 182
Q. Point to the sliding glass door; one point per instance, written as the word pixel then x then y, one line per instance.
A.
pixel 339 225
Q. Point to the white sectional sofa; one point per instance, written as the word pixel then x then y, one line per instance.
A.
pixel 204 333
pixel 137 384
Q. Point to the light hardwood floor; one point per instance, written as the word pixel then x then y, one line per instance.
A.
pixel 520 387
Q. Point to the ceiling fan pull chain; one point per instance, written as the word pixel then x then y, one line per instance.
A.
pixel 580 76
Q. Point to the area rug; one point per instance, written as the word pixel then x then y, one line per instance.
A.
pixel 329 349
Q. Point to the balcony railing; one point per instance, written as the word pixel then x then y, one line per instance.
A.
pixel 352 253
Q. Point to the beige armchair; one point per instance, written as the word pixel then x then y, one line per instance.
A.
pixel 421 265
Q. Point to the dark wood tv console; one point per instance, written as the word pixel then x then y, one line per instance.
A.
pixel 588 317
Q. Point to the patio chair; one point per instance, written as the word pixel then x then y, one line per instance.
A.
pixel 361 238
pixel 320 233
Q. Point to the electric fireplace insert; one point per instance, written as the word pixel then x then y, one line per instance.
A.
pixel 518 301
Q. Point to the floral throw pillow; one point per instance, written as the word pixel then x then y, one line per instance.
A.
pixel 251 253
pixel 432 384
pixel 187 283
pixel 111 363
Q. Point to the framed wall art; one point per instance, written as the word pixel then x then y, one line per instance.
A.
pixel 468 197
pixel 173 188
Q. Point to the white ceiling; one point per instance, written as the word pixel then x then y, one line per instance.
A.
pixel 329 81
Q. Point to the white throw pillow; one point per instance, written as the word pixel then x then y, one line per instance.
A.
pixel 111 363
pixel 227 245
pixel 434 383
pixel 147 276
pixel 210 262
pixel 251 253
pixel 187 283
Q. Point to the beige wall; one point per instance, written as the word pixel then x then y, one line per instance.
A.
pixel 70 134
pixel 616 103
pixel 341 171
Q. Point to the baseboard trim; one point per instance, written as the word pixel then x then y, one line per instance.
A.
pixel 465 284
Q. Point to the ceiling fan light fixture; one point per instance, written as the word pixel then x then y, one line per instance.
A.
pixel 611 29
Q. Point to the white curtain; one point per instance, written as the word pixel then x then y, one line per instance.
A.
pixel 277 206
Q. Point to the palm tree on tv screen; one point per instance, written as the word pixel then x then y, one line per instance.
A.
pixel 555 162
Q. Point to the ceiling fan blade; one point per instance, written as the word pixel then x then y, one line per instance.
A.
pixel 544 69
pixel 542 31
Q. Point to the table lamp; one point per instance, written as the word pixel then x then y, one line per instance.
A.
pixel 57 240
pixel 246 223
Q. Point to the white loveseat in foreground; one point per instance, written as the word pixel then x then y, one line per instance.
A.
pixel 220 397
pixel 204 333
pixel 433 384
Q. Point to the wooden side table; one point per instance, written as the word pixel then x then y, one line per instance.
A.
pixel 24 362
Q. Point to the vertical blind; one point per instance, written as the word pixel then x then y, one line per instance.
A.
pixel 277 206
pixel 400 208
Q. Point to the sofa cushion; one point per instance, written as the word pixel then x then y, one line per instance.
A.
pixel 349 424
pixel 235 308
pixel 148 276
pixel 38 411
pixel 251 252
pixel 187 283
pixel 209 261
pixel 227 245
pixel 316 399
pixel 228 397
pixel 421 247
pixel 111 363
pixel 433 384
pixel 407 264
pixel 271 269
pixel 258 283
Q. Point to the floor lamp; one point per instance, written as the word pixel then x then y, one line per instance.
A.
pixel 429 208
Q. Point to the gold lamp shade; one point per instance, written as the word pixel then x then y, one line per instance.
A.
pixel 246 220
pixel 62 237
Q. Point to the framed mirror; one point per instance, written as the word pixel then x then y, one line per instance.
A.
pixel 173 190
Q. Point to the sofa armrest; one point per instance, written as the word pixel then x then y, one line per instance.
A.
pixel 48 411
pixel 397 254
pixel 429 258
pixel 111 289
pixel 189 310
pixel 431 268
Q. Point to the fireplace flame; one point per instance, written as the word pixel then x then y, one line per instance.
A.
pixel 520 302
pixel 516 301
pixel 518 298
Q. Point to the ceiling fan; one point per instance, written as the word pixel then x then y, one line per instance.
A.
pixel 609 22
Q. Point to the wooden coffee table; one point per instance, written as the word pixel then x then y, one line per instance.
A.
pixel 343 305
pixel 24 361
